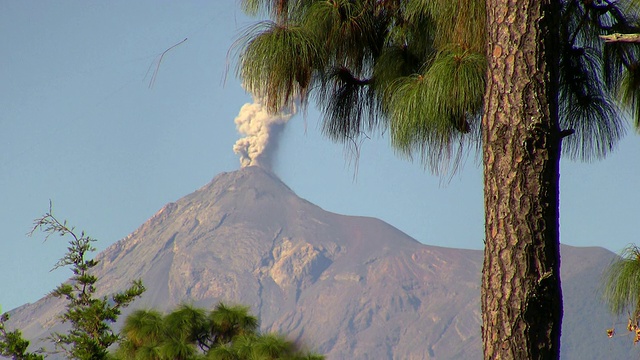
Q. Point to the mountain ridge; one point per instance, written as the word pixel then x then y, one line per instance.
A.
pixel 348 286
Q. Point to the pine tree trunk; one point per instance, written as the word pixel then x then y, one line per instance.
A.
pixel 521 295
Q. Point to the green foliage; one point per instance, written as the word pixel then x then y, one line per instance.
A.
pixel 89 316
pixel 374 65
pixel 629 92
pixel 621 289
pixel 226 332
pixel 590 74
pixel 277 9
pixel 341 26
pixel 417 69
pixel 226 322
pixel 13 345
pixel 621 283
pixel 277 65
pixel 422 119
pixel 460 23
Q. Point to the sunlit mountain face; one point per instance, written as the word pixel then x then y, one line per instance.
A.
pixel 347 286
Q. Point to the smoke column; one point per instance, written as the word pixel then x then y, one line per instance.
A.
pixel 261 131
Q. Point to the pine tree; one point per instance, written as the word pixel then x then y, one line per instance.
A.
pixel 226 333
pixel 89 316
pixel 523 81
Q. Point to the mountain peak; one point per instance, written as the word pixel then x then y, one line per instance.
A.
pixel 349 286
pixel 252 177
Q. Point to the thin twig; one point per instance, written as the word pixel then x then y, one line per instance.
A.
pixel 155 73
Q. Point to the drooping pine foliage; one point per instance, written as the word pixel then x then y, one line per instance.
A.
pixel 417 68
pixel 593 73
pixel 621 285
pixel 621 289
pixel 374 65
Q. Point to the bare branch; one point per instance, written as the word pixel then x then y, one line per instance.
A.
pixel 629 38
pixel 155 73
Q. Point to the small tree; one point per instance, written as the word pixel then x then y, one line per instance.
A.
pixel 90 316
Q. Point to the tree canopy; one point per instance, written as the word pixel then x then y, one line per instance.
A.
pixel 225 333
pixel 417 69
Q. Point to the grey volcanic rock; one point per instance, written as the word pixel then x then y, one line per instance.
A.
pixel 349 287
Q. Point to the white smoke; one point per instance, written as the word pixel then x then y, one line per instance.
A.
pixel 261 130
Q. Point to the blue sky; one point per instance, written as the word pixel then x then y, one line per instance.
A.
pixel 79 125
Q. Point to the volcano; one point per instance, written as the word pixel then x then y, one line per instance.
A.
pixel 349 287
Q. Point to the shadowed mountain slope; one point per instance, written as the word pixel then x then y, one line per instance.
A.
pixel 349 287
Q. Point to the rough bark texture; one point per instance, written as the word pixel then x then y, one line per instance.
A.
pixel 521 295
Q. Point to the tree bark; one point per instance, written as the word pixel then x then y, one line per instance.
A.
pixel 521 294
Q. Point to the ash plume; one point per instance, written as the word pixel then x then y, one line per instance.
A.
pixel 261 130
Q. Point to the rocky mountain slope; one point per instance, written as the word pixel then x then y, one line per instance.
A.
pixel 349 287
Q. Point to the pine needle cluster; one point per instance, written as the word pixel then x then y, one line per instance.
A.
pixel 417 68
pixel 373 65
pixel 225 333
pixel 621 283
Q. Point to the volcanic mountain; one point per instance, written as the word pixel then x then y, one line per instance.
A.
pixel 349 287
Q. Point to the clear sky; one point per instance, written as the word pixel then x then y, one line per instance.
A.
pixel 81 126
